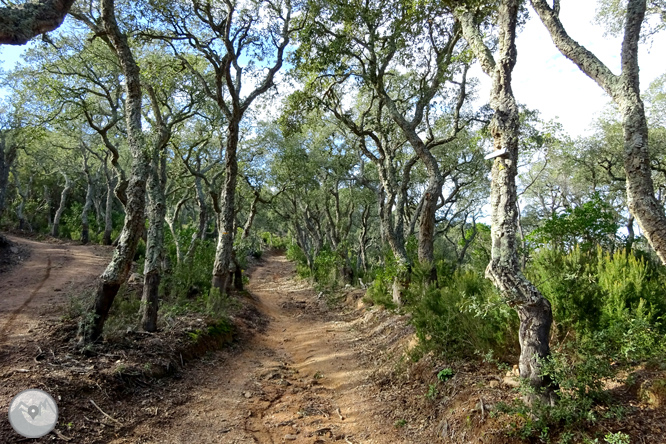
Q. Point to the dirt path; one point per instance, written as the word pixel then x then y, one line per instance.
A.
pixel 300 381
pixel 36 289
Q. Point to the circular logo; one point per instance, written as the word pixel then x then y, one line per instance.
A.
pixel 33 413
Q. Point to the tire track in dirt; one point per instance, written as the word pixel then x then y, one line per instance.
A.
pixel 16 312
pixel 29 294
pixel 301 381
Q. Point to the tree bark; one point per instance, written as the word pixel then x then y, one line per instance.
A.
pixel 21 23
pixel 55 230
pixel 625 92
pixel 24 224
pixel 85 225
pixel 47 205
pixel 155 242
pixel 221 267
pixel 118 269
pixel 8 153
pixel 108 211
pixel 503 270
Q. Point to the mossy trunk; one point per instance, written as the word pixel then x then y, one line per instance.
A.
pixel 118 269
pixel 225 239
pixel 503 270
pixel 85 224
pixel 55 229
pixel 155 242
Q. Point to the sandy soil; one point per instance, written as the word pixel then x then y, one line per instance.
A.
pixel 298 371
pixel 35 290
pixel 300 381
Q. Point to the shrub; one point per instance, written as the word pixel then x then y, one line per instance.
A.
pixel 463 316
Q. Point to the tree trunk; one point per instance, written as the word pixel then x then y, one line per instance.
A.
pixel 503 270
pixel 630 234
pixel 47 205
pixel 7 157
pixel 225 240
pixel 155 242
pixel 119 267
pixel 23 223
pixel 61 209
pixel 85 225
pixel 625 92
pixel 108 211
pixel 19 24
pixel 427 224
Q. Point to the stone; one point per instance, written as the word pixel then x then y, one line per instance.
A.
pixel 135 278
pixel 511 381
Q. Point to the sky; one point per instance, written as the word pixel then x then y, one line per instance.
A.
pixel 546 80
pixel 543 78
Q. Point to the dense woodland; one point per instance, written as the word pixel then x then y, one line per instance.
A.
pixel 193 135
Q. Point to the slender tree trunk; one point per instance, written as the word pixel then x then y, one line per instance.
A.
pixel 7 157
pixel 85 225
pixel 23 194
pixel 155 242
pixel 625 92
pixel 630 234
pixel 221 268
pixel 426 246
pixel 118 269
pixel 503 270
pixel 47 205
pixel 250 217
pixel 61 208
pixel 200 234
pixel 108 212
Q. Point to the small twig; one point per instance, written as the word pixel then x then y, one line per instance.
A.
pixel 483 408
pixel 105 414
pixel 60 435
pixel 342 418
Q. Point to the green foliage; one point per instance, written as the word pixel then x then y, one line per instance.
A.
pixel 617 438
pixel 432 393
pixel 400 423
pixel 591 290
pixel 192 277
pixel 274 241
pixel 462 316
pixel 593 223
pixel 327 264
pixel 444 375
pixel 579 367
pixel 380 291
pixel 295 254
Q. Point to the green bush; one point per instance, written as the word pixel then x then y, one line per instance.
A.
pixel 588 225
pixel 326 267
pixel 463 316
pixel 295 254
pixel 191 276
pixel 593 290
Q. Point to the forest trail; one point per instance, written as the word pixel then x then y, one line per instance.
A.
pixel 302 380
pixel 35 289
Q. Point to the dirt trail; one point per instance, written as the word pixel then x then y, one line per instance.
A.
pixel 300 381
pixel 36 289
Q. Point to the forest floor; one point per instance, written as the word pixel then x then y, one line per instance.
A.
pixel 302 367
